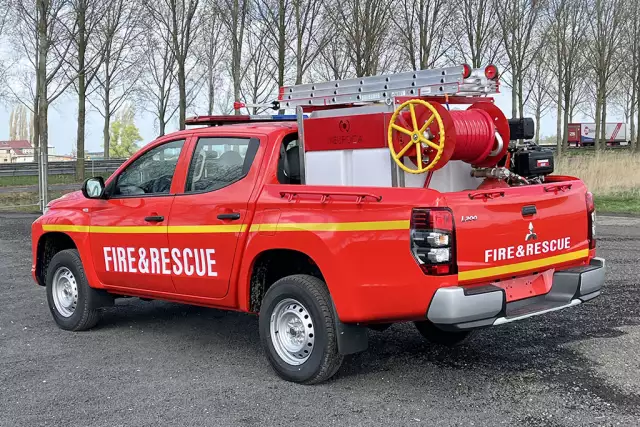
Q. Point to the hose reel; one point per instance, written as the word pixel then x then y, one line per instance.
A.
pixel 430 135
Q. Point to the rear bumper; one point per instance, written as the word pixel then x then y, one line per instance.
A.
pixel 457 308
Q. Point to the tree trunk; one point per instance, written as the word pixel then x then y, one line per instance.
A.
pixel 211 88
pixel 632 112
pixel 520 97
pixel 603 126
pixel 106 137
pixel 281 42
pixel 538 117
pixel 183 92
pixel 559 121
pixel 82 96
pixel 514 99
pixel 42 11
pixel 598 118
pixel 566 92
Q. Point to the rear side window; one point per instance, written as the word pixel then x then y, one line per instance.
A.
pixel 219 162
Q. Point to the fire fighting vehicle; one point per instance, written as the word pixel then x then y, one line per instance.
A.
pixel 584 134
pixel 380 200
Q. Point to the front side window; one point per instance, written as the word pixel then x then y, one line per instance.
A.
pixel 151 173
pixel 219 162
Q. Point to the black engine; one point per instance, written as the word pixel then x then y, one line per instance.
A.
pixel 530 160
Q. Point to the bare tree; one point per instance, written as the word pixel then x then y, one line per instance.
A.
pixel 158 81
pixel 213 50
pixel 235 15
pixel 632 42
pixel 365 24
pixel 517 20
pixel 4 15
pixel 334 63
pixel 84 65
pixel 606 35
pixel 311 35
pixel 41 30
pixel 119 34
pixel 275 15
pixel 567 32
pixel 423 27
pixel 479 43
pixel 538 98
pixel 181 19
pixel 259 85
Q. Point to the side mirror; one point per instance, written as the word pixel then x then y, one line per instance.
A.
pixel 93 188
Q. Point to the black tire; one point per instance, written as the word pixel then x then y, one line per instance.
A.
pixel 85 314
pixel 436 335
pixel 324 360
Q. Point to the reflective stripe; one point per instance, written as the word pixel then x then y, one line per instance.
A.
pixel 67 228
pixel 205 229
pixel 522 266
pixel 131 229
pixel 338 226
pixel 195 229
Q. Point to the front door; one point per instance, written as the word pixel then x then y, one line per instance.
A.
pixel 209 217
pixel 128 230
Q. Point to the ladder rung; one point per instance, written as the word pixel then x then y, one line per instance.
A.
pixel 375 87
pixel 436 82
pixel 374 96
pixel 381 80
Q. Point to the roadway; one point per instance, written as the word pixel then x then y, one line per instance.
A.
pixel 156 363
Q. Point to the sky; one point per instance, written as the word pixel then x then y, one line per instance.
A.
pixel 63 119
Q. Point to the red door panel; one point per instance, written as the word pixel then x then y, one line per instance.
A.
pixel 208 219
pixel 128 231
pixel 127 250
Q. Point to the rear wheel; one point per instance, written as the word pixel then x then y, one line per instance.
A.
pixel 436 335
pixel 297 330
pixel 72 302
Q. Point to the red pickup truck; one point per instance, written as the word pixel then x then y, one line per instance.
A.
pixel 217 216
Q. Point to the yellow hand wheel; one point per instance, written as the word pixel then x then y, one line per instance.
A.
pixel 419 142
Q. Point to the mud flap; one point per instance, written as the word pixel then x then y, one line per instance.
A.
pixel 351 338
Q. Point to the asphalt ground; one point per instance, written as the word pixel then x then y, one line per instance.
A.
pixel 157 363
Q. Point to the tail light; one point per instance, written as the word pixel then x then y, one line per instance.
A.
pixel 433 240
pixel 491 72
pixel 591 217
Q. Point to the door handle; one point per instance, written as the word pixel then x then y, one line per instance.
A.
pixel 230 216
pixel 156 218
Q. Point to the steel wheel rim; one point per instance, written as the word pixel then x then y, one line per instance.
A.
pixel 64 290
pixel 292 333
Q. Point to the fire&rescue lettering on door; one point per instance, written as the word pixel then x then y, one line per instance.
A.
pixel 160 261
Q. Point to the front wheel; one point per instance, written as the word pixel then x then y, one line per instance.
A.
pixel 436 335
pixel 297 330
pixel 72 302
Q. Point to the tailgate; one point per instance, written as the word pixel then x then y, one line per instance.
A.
pixel 509 232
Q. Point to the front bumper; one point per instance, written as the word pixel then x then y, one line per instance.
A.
pixel 458 308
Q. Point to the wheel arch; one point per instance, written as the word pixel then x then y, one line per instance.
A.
pixel 49 244
pixel 271 265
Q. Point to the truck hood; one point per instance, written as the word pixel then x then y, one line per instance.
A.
pixel 67 200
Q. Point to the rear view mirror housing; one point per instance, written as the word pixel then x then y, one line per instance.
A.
pixel 93 188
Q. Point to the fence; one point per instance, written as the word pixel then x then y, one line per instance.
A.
pixel 60 168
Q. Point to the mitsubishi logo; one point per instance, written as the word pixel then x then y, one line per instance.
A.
pixel 531 235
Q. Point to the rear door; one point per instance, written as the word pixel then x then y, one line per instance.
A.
pixel 508 232
pixel 212 212
pixel 128 231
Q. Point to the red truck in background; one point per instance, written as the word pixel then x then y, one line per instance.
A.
pixel 225 216
pixel 584 134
